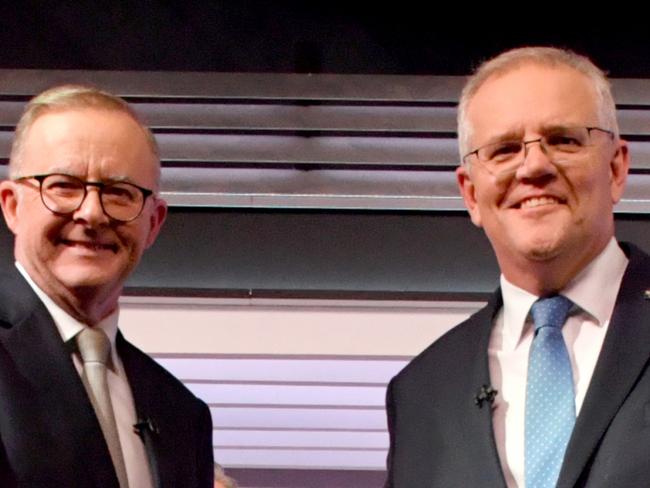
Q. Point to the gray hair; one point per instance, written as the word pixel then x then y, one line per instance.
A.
pixel 544 56
pixel 64 97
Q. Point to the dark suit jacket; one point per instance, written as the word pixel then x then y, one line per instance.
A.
pixel 49 434
pixel 440 438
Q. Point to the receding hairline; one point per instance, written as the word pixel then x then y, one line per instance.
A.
pixel 68 98
pixel 550 57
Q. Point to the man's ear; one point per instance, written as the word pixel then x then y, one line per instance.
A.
pixel 468 192
pixel 9 202
pixel 619 167
pixel 156 220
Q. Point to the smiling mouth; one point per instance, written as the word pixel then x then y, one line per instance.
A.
pixel 539 202
pixel 93 246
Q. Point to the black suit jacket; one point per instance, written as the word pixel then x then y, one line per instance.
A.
pixel 49 434
pixel 441 438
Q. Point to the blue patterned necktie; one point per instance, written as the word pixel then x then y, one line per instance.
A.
pixel 550 399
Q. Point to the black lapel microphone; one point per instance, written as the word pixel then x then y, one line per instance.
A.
pixel 144 426
pixel 485 394
pixel 147 429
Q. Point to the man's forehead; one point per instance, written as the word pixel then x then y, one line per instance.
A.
pixel 533 94
pixel 69 140
pixel 75 126
pixel 560 73
pixel 54 115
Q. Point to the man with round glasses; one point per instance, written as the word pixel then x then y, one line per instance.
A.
pixel 548 385
pixel 82 202
pixel 63 194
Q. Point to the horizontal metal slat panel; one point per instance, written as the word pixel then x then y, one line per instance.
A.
pixel 216 149
pixel 366 119
pixel 349 189
pixel 634 122
pixel 6 138
pixel 247 117
pixel 290 150
pixel 231 187
pixel 268 121
pixel 629 91
pixel 345 189
pixel 264 86
pixel 257 86
pixel 640 155
pixel 353 118
pixel 229 417
pixel 10 112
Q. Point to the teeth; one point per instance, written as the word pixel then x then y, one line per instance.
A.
pixel 538 201
pixel 98 247
pixel 90 245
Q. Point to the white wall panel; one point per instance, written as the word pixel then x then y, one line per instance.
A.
pixel 283 370
pixel 235 417
pixel 285 327
pixel 300 439
pixel 253 394
pixel 291 383
pixel 293 458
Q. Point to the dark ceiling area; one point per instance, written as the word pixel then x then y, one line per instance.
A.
pixel 291 36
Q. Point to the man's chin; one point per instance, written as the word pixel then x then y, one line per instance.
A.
pixel 87 280
pixel 543 243
pixel 538 249
pixel 542 253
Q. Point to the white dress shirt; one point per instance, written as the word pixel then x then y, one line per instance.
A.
pixel 593 292
pixel 135 456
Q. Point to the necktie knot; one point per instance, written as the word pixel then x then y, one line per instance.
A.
pixel 550 312
pixel 94 345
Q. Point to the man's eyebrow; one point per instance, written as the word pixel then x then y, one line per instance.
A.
pixel 517 134
pixel 118 179
pixel 60 171
pixel 67 172
pixel 509 135
pixel 556 127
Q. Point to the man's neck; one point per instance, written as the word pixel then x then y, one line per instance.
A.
pixel 85 305
pixel 549 276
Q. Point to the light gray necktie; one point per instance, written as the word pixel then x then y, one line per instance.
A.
pixel 95 348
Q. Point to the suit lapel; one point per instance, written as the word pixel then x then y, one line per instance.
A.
pixel 146 405
pixel 55 405
pixel 479 409
pixel 477 434
pixel 622 359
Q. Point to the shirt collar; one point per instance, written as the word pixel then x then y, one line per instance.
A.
pixel 516 305
pixel 593 290
pixel 66 324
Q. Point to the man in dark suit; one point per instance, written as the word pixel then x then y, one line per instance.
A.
pixel 82 201
pixel 548 385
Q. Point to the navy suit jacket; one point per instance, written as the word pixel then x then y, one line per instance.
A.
pixel 49 434
pixel 441 438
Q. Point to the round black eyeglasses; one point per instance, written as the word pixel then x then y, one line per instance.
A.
pixel 64 194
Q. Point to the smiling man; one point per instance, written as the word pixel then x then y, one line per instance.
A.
pixel 82 201
pixel 548 384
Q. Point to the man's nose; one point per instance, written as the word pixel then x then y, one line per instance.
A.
pixel 91 210
pixel 536 160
